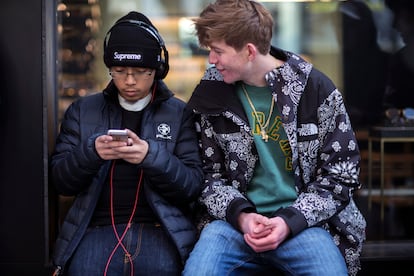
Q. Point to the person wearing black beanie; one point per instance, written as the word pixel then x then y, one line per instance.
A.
pixel 133 194
pixel 134 41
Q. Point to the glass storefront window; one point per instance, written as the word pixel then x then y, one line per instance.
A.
pixel 351 41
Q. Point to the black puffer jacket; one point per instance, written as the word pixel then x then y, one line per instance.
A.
pixel 172 167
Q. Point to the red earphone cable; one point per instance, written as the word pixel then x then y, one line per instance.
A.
pixel 129 221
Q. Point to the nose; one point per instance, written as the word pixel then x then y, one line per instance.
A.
pixel 212 58
pixel 130 78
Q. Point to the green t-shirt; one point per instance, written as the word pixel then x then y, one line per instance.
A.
pixel 272 185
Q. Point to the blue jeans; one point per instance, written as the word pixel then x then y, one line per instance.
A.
pixel 221 250
pixel 152 252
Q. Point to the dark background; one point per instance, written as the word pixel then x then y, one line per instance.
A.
pixel 27 55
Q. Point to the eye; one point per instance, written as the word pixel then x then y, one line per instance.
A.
pixel 216 51
pixel 119 70
pixel 143 72
pixel 139 72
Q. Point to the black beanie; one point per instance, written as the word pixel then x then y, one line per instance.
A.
pixel 133 41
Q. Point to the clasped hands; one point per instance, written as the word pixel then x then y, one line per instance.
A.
pixel 133 151
pixel 262 233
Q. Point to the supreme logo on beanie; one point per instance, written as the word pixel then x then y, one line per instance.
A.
pixel 132 41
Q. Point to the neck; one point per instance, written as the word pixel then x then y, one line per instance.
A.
pixel 261 65
pixel 134 106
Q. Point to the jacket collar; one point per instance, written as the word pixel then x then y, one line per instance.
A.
pixel 214 97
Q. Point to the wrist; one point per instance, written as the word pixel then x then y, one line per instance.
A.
pixel 242 220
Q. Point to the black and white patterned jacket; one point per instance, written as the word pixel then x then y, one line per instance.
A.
pixel 325 154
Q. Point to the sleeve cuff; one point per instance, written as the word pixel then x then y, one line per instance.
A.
pixel 293 218
pixel 236 207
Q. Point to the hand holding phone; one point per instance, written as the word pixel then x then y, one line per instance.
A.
pixel 119 134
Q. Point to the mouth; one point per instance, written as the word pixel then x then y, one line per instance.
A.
pixel 130 95
pixel 221 70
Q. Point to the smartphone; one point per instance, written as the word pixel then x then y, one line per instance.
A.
pixel 118 134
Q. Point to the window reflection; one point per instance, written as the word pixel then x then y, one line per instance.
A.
pixel 351 41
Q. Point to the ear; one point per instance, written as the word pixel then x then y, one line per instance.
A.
pixel 251 51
